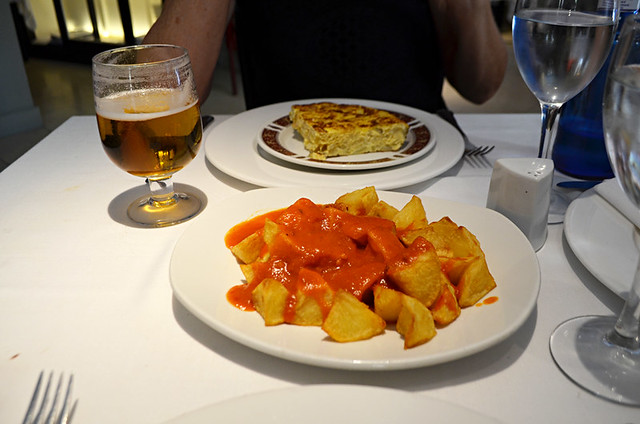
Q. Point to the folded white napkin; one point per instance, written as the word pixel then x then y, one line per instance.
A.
pixel 612 193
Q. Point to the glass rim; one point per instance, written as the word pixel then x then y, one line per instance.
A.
pixel 98 59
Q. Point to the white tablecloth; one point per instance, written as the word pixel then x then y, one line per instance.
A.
pixel 81 291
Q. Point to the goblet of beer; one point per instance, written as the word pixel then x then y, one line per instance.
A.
pixel 149 123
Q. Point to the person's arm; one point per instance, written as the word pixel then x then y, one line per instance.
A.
pixel 199 26
pixel 474 54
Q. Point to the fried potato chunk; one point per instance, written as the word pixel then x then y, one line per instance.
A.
pixel 415 323
pixel 456 267
pixel 270 300
pixel 387 302
pixel 248 272
pixel 307 311
pixel 270 231
pixel 475 282
pixel 359 202
pixel 449 239
pixel 351 320
pixel 313 299
pixel 383 210
pixel 248 250
pixel 422 277
pixel 446 309
pixel 412 216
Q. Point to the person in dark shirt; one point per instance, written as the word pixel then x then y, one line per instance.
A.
pixel 398 51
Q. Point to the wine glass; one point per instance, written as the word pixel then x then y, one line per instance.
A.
pixel 600 353
pixel 149 123
pixel 559 47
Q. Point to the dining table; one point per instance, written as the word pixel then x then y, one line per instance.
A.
pixel 84 290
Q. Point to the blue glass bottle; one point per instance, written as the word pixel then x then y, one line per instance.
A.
pixel 579 149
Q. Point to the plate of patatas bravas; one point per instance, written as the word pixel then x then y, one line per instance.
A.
pixel 356 278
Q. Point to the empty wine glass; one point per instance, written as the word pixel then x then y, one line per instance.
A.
pixel 600 353
pixel 559 47
pixel 149 123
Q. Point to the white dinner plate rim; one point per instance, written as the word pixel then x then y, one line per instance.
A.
pixel 367 161
pixel 198 287
pixel 232 148
pixel 588 213
pixel 289 405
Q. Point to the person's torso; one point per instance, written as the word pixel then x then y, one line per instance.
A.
pixel 371 49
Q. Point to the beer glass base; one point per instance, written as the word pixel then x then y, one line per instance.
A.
pixel 181 208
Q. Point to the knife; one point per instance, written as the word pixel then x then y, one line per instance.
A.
pixel 206 121
pixel 580 185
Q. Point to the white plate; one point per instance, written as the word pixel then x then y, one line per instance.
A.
pixel 203 270
pixel 603 241
pixel 336 404
pixel 279 139
pixel 232 147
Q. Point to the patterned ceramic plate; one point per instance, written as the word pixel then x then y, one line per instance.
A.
pixel 279 139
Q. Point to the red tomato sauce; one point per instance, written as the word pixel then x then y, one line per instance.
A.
pixel 320 245
pixel 248 227
pixel 488 301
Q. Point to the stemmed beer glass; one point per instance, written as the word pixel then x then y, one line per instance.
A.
pixel 559 46
pixel 602 354
pixel 149 123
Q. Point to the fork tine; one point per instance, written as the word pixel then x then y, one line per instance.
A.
pixel 54 406
pixel 64 417
pixel 34 399
pixel 480 151
pixel 45 400
pixel 475 151
pixel 489 148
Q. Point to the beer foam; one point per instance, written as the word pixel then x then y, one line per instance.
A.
pixel 142 105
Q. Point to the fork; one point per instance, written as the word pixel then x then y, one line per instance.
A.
pixel 63 416
pixel 471 150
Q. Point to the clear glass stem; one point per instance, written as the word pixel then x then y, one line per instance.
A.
pixel 163 207
pixel 162 194
pixel 550 114
pixel 626 333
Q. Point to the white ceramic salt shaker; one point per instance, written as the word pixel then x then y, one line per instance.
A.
pixel 520 189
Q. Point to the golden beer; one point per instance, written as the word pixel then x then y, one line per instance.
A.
pixel 149 133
